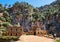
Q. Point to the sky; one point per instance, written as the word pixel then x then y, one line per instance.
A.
pixel 34 3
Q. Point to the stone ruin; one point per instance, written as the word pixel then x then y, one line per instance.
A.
pixel 14 31
pixel 37 30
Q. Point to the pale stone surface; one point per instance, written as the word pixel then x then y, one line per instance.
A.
pixel 31 38
pixel 1 14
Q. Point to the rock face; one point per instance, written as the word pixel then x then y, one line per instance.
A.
pixel 47 10
pixel 31 38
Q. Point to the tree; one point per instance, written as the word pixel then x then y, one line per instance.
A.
pixel 2 19
pixel 2 29
pixel 5 24
pixel 1 8
pixel 38 16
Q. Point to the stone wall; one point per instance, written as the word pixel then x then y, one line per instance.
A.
pixel 41 32
pixel 14 31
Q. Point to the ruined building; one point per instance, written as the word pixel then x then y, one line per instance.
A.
pixel 37 29
pixel 14 31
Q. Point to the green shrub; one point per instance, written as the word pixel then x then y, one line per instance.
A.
pixel 57 40
pixel 2 19
pixel 2 28
pixel 5 24
pixel 8 37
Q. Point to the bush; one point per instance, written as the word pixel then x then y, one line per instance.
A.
pixel 5 24
pixel 8 37
pixel 2 29
pixel 2 19
pixel 57 40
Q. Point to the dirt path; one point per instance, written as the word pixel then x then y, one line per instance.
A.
pixel 31 38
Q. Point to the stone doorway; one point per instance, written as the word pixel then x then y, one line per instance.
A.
pixel 34 33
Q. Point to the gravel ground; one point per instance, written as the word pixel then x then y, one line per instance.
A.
pixel 32 38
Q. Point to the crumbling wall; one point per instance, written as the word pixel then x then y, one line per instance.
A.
pixel 14 31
